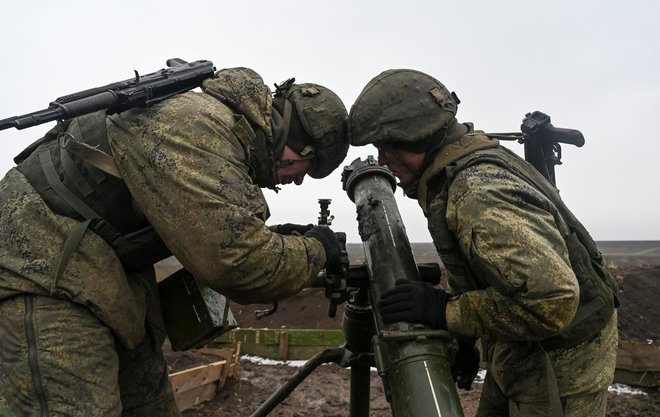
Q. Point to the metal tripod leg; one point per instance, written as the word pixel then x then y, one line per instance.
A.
pixel 336 355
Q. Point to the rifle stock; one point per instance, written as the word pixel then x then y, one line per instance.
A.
pixel 542 142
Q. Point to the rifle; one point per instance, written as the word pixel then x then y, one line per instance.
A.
pixel 140 91
pixel 541 140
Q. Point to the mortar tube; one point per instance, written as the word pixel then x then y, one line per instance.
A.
pixel 415 369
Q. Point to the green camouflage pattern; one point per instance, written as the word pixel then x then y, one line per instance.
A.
pixel 510 235
pixel 33 240
pixel 244 91
pixel 45 371
pixel 323 116
pixel 190 175
pixel 186 163
pixel 493 403
pixel 402 106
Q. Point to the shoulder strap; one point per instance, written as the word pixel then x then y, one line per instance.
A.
pixel 92 219
pixel 93 156
pixel 448 155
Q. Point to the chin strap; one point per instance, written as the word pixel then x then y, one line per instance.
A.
pixel 286 120
pixel 280 127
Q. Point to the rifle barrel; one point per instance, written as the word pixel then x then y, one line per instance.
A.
pixel 31 119
pixel 141 91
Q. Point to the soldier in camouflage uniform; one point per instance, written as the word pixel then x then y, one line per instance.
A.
pixel 524 276
pixel 95 203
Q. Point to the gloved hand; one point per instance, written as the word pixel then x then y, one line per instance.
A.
pixel 330 243
pixel 291 228
pixel 466 365
pixel 414 302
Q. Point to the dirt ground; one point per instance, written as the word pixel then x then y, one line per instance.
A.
pixel 326 391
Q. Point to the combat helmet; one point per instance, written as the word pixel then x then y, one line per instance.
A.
pixel 401 106
pixel 317 127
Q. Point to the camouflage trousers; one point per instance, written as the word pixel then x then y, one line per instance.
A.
pixel 57 359
pixel 493 403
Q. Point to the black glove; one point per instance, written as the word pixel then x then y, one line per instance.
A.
pixel 291 228
pixel 329 241
pixel 466 365
pixel 414 302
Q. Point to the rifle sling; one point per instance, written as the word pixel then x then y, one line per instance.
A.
pixel 93 156
pixel 92 219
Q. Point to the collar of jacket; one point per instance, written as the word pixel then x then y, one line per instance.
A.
pixel 446 156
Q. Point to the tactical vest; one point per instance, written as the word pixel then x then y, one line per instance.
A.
pixel 598 289
pixel 72 186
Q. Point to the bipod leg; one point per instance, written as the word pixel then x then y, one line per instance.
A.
pixel 336 355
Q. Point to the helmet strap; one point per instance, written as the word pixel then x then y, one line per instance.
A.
pixel 280 123
pixel 286 118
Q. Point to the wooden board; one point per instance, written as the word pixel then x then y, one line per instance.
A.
pixel 199 384
pixel 194 377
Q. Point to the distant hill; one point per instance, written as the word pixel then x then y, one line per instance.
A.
pixel 631 251
pixel 615 252
pixel 423 252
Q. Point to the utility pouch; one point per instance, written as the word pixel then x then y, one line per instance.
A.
pixel 194 314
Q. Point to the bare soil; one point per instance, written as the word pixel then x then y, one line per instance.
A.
pixel 326 391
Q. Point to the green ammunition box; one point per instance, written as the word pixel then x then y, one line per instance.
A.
pixel 194 314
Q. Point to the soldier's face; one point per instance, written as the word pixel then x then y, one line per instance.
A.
pixel 405 165
pixel 293 169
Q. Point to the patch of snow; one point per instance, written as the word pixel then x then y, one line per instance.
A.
pixel 625 389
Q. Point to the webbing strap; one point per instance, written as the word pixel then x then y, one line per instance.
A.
pixel 71 141
pixel 584 311
pixel 74 173
pixel 56 184
pixel 451 153
pixel 94 157
pixel 70 245
pixel 555 407
pixel 243 131
pixel 78 230
pixel 286 120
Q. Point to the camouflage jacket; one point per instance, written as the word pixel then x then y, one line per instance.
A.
pixel 187 165
pixel 517 287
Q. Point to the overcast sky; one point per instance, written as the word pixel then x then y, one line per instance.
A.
pixel 591 65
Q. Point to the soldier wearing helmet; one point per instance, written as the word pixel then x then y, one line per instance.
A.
pixel 524 276
pixel 82 230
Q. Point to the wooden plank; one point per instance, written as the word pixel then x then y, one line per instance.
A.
pixel 332 338
pixel 283 352
pixel 235 373
pixel 196 385
pixel 195 396
pixel 194 377
pixel 638 356
pixel 283 344
pixel 637 379
pixel 297 337
pixel 226 354
pixel 232 356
